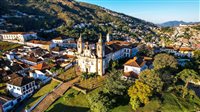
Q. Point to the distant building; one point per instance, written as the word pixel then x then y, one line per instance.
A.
pixel 42 44
pixel 18 36
pixel 65 42
pixel 181 51
pixel 96 59
pixel 59 40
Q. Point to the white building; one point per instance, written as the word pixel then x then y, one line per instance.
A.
pixel 19 36
pixel 65 42
pixel 21 86
pixel 42 44
pixel 95 59
pixel 59 40
pixel 135 65
pixel 181 51
pixel 9 104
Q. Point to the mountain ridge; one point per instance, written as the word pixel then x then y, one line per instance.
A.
pixel 176 23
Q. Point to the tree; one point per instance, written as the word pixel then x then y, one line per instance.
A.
pixel 188 75
pixel 114 84
pixel 152 79
pixel 143 50
pixel 53 70
pixel 113 65
pixel 197 54
pixel 60 71
pixel 194 63
pixel 165 61
pixel 3 6
pixel 139 94
pixel 99 102
pixel 111 94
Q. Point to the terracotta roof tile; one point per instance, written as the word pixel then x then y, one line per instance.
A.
pixel 40 42
pixel 185 49
pixel 135 62
pixel 42 66
pixel 19 33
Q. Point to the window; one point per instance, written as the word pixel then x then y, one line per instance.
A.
pixel 33 84
pixel 18 88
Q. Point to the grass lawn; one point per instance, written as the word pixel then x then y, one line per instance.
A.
pixel 71 101
pixel 74 101
pixel 67 75
pixel 3 92
pixel 152 106
pixel 126 108
pixel 5 46
pixel 171 103
pixel 44 90
pixel 92 83
pixel 3 88
pixel 2 84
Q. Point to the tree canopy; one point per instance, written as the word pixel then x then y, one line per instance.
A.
pixel 151 78
pixel 111 94
pixel 164 61
pixel 139 94
pixel 188 75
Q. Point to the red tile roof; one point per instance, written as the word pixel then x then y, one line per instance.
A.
pixel 58 38
pixel 185 49
pixel 19 33
pixel 42 66
pixel 40 42
pixel 118 42
pixel 135 62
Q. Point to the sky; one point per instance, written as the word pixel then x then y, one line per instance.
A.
pixel 156 11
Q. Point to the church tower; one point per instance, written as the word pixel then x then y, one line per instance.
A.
pixel 108 39
pixel 101 56
pixel 80 45
pixel 163 43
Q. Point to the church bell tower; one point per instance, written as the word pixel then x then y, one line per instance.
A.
pixel 101 56
pixel 80 45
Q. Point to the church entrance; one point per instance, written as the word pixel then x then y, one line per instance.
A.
pixel 87 70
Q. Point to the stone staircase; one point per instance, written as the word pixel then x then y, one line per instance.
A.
pixel 54 95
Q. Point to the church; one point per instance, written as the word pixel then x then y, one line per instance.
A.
pixel 95 58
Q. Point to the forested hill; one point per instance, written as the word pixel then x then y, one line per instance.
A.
pixel 68 17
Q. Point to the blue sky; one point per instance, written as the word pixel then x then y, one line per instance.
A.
pixel 156 11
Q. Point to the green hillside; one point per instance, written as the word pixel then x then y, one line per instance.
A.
pixel 63 16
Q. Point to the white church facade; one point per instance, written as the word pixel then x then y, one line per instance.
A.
pixel 95 58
